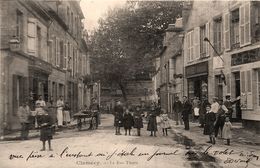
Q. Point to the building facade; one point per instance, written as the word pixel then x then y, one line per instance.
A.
pixel 231 65
pixel 171 65
pixel 44 53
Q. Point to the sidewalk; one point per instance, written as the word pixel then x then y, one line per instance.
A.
pixel 15 135
pixel 240 136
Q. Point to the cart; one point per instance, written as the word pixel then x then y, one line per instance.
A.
pixel 86 119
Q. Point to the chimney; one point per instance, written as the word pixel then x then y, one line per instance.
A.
pixel 187 6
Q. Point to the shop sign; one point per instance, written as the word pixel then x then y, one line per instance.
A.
pixel 197 69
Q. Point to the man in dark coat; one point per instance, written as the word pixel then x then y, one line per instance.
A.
pixel 186 111
pixel 209 128
pixel 177 109
pixel 152 124
pixel 138 120
pixel 128 122
pixel 118 120
pixel 94 107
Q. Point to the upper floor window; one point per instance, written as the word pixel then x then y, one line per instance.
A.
pixel 218 35
pixel 235 28
pixel 68 16
pixel 39 39
pixel 202 42
pixel 72 20
pixel 19 24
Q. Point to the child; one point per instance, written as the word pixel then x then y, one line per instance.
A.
pixel 128 122
pixel 164 122
pixel 152 123
pixel 138 121
pixel 45 125
pixel 226 134
pixel 210 118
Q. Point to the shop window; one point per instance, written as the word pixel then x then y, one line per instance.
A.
pixel 218 35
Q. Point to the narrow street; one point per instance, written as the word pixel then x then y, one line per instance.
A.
pixel 102 148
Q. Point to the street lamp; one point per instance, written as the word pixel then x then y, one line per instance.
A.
pixel 222 75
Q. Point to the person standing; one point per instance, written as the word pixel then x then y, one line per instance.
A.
pixel 221 115
pixel 215 105
pixel 195 109
pixel 94 107
pixel 46 131
pixel 128 122
pixel 40 101
pixel 165 124
pixel 227 130
pixel 202 111
pixel 210 118
pixel 138 120
pixel 186 111
pixel 177 107
pixel 23 115
pixel 66 112
pixel 152 123
pixel 118 120
pixel 60 105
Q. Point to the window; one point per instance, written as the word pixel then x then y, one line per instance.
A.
pixel 218 35
pixel 202 42
pixel 235 28
pixel 61 60
pixel 31 36
pixel 189 46
pixel 39 39
pixel 19 24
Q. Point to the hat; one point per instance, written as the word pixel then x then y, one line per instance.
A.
pixel 228 96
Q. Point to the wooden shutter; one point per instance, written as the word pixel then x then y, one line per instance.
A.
pixel 31 36
pixel 249 95
pixel 50 51
pixel 227 31
pixel 208 36
pixel 243 89
pixel 65 56
pixel 192 45
pixel 57 52
pixel 242 25
pixel 197 42
pixel 15 101
pixel 247 34
pixel 228 83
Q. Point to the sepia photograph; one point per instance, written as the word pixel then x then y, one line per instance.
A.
pixel 129 83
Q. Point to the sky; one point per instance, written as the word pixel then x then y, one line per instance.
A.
pixel 94 9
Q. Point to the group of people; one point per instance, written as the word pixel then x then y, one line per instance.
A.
pixel 133 118
pixel 45 117
pixel 213 117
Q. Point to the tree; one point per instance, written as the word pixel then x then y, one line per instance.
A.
pixel 128 38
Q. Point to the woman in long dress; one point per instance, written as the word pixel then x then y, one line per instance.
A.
pixel 60 105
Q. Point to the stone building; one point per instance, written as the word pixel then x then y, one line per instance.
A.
pixel 43 52
pixel 171 65
pixel 232 65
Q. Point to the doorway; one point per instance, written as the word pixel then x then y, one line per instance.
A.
pixel 238 112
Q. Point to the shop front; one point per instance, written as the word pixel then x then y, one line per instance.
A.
pixel 197 80
pixel 39 72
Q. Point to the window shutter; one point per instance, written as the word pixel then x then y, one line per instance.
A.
pixel 197 42
pixel 247 34
pixel 228 83
pixel 192 45
pixel 249 90
pixel 242 25
pixel 15 101
pixel 227 31
pixel 57 52
pixel 50 51
pixel 243 89
pixel 208 36
pixel 31 34
pixel 185 49
pixel 65 57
